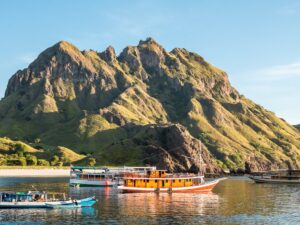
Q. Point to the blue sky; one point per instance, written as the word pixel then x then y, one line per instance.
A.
pixel 256 42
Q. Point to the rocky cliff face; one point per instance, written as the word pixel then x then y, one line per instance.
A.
pixel 146 105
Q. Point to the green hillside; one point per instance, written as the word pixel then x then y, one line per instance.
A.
pixel 145 106
pixel 18 153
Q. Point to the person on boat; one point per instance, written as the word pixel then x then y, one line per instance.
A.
pixel 75 202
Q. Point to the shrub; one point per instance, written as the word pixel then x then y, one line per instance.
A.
pixel 21 161
pixel 37 140
pixel 59 164
pixel 31 160
pixel 42 162
pixel 65 161
pixel 54 160
pixel 3 161
pixel 20 149
pixel 92 161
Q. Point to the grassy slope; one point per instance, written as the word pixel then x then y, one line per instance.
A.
pixel 8 146
pixel 190 91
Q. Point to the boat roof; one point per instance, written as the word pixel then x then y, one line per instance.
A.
pixel 276 171
pixel 163 178
pixel 30 192
pixel 24 192
pixel 124 168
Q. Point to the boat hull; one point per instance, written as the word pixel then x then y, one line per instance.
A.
pixel 87 202
pixel 274 181
pixel 22 205
pixel 205 187
pixel 92 183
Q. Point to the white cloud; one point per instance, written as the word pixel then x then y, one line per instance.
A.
pixel 279 72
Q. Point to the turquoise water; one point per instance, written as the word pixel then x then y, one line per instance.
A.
pixel 233 201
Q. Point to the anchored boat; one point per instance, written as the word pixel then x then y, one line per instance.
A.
pixel 278 176
pixel 86 202
pixel 102 176
pixel 37 199
pixel 160 181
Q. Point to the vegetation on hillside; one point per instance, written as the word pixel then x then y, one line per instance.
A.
pixel 102 106
pixel 17 153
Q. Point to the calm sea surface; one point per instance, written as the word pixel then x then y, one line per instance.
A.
pixel 233 201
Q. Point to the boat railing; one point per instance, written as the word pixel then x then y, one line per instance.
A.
pixel 182 176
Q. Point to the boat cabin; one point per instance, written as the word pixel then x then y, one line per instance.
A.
pixel 160 179
pixel 30 196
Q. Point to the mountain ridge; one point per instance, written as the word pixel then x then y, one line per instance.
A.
pixel 103 103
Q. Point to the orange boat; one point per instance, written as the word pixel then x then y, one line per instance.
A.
pixel 160 181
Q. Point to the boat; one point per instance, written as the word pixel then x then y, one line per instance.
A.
pixel 278 176
pixel 37 199
pixel 86 202
pixel 161 181
pixel 82 176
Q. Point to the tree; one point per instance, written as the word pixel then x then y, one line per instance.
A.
pixel 20 149
pixel 42 162
pixel 54 160
pixel 31 160
pixel 3 161
pixel 59 164
pixel 37 140
pixel 92 161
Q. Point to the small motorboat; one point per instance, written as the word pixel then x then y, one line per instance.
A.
pixel 38 199
pixel 277 177
pixel 86 202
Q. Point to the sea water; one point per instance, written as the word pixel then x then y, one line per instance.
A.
pixel 233 201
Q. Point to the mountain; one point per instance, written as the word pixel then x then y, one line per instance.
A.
pixel 298 126
pixel 144 106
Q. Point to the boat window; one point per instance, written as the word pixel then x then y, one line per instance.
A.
pixel 147 181
pixel 155 181
pixel 166 181
pixel 179 180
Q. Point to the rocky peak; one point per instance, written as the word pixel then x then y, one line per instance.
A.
pixel 109 55
pixel 58 55
pixel 152 55
pixel 148 41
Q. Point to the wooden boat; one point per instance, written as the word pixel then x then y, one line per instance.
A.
pixel 36 199
pixel 86 202
pixel 101 176
pixel 279 176
pixel 160 181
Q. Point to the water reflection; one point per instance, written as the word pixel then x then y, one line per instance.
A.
pixel 46 215
pixel 233 201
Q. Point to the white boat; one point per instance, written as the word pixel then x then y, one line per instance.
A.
pixel 102 176
pixel 86 202
pixel 279 177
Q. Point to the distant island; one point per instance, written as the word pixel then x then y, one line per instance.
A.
pixel 144 106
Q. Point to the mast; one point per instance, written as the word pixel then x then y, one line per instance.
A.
pixel 200 157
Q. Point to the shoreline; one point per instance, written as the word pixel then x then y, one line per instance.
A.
pixel 42 172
